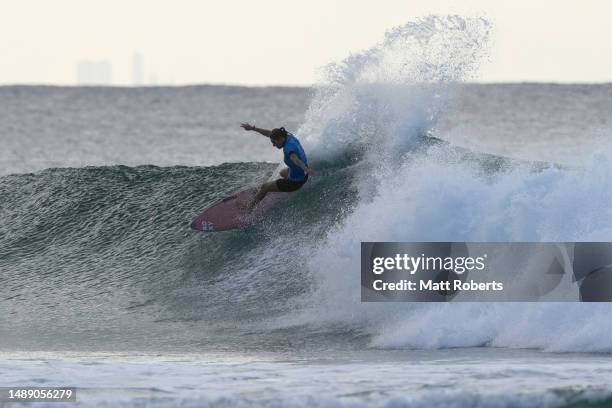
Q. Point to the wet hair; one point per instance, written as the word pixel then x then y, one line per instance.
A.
pixel 278 133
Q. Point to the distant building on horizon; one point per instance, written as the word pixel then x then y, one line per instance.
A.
pixel 94 72
pixel 137 70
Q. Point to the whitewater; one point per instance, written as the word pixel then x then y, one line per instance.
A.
pixel 106 288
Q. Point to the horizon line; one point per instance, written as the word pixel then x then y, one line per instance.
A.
pixel 236 85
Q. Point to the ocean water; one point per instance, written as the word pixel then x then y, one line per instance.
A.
pixel 107 289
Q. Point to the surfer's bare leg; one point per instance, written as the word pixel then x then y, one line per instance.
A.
pixel 266 188
pixel 284 173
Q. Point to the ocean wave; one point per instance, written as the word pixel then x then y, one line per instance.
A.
pixel 106 253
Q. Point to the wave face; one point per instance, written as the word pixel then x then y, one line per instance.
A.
pixel 103 258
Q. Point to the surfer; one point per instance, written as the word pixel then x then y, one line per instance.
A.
pixel 295 175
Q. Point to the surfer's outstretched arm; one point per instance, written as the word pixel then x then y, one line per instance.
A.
pixel 264 132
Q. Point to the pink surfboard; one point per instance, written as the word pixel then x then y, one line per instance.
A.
pixel 229 213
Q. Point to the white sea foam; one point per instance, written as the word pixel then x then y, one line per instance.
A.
pixel 474 378
pixel 381 98
pixel 375 100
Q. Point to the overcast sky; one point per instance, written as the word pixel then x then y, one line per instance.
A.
pixel 284 42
